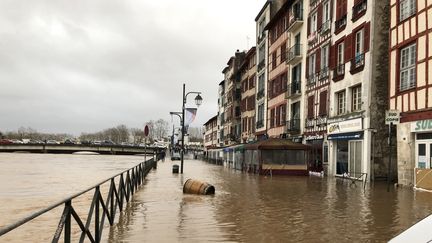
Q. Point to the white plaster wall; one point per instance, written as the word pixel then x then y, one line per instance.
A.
pixel 405 154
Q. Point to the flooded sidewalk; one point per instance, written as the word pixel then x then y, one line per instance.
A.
pixel 251 208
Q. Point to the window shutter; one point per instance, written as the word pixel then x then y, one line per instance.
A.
pixel 318 60
pixel 332 56
pixel 311 100
pixel 338 9
pixel 320 15
pixel 308 25
pixel 307 67
pixel 366 32
pixel 348 48
pixel 277 116
pixel 323 103
pixel 344 7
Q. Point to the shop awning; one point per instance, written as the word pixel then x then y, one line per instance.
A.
pixel 345 136
pixel 275 144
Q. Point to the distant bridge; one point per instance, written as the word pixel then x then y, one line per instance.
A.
pixel 73 148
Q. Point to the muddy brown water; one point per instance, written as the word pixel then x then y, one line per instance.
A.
pixel 245 208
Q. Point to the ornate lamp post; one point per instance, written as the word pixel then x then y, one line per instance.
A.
pixel 198 101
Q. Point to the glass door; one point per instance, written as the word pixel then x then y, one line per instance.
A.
pixel 424 155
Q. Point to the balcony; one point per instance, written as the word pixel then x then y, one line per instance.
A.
pixel 260 94
pixel 340 24
pixel 357 63
pixel 312 38
pixel 293 126
pixel 294 54
pixel 259 124
pixel 310 122
pixel 325 27
pixel 321 120
pixel 311 79
pixel 339 72
pixel 324 73
pixel 261 37
pixel 296 20
pixel 313 2
pixel 359 10
pixel 293 89
pixel 261 65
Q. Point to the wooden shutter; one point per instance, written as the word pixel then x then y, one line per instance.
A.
pixel 318 60
pixel 320 15
pixel 323 103
pixel 366 32
pixel 348 48
pixel 339 4
pixel 310 105
pixel 344 7
pixel 307 67
pixel 332 56
pixel 308 26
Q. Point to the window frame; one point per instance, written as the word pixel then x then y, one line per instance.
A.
pixel 356 98
pixel 341 102
pixel 410 69
pixel 411 9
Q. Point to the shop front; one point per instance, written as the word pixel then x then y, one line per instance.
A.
pixel 346 143
pixel 423 153
pixel 316 142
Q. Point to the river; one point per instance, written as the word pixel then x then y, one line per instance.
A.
pixel 245 208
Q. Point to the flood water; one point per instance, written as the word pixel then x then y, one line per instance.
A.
pixel 245 208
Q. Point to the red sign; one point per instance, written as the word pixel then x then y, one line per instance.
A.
pixel 146 131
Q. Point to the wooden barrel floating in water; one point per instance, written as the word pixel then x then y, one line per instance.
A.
pixel 198 187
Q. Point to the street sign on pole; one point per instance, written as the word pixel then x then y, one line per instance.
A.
pixel 392 117
pixel 146 131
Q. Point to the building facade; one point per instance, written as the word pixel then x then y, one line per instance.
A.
pixel 262 20
pixel 232 98
pixel 210 133
pixel 318 79
pixel 410 92
pixel 221 114
pixel 247 107
pixel 356 116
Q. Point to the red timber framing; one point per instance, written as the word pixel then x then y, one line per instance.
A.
pixel 318 83
pixel 413 103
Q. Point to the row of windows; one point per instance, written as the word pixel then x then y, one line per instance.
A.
pixel 355 98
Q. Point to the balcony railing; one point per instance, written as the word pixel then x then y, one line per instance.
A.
pixel 260 94
pixel 260 124
pixel 321 120
pixel 340 23
pixel 325 27
pixel 293 126
pixel 261 37
pixel 312 38
pixel 357 62
pixel 261 65
pixel 324 73
pixel 293 89
pixel 294 54
pixel 358 10
pixel 339 72
pixel 295 20
pixel 310 122
pixel 311 79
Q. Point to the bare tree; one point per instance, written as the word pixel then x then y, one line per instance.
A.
pixel 161 129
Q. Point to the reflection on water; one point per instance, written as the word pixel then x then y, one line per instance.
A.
pixel 249 208
pixel 245 208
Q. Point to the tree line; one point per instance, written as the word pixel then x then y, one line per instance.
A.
pixel 158 130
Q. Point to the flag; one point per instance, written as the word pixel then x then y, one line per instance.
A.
pixel 190 114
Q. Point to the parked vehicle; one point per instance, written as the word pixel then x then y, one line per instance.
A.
pixel 52 142
pixel 107 142
pixel 5 141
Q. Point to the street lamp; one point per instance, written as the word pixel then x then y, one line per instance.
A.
pixel 198 101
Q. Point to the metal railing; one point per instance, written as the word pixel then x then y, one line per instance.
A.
pixel 100 209
pixel 358 9
pixel 341 22
pixel 294 52
pixel 358 61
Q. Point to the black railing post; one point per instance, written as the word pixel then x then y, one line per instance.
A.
pixel 97 230
pixel 112 188
pixel 67 230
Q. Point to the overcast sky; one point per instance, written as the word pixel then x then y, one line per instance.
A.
pixel 85 65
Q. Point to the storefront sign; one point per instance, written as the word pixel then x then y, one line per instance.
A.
pixel 314 137
pixel 421 126
pixel 345 126
pixel 346 136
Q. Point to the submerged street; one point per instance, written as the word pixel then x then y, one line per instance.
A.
pixel 250 208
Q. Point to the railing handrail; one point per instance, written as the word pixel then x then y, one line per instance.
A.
pixel 24 220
